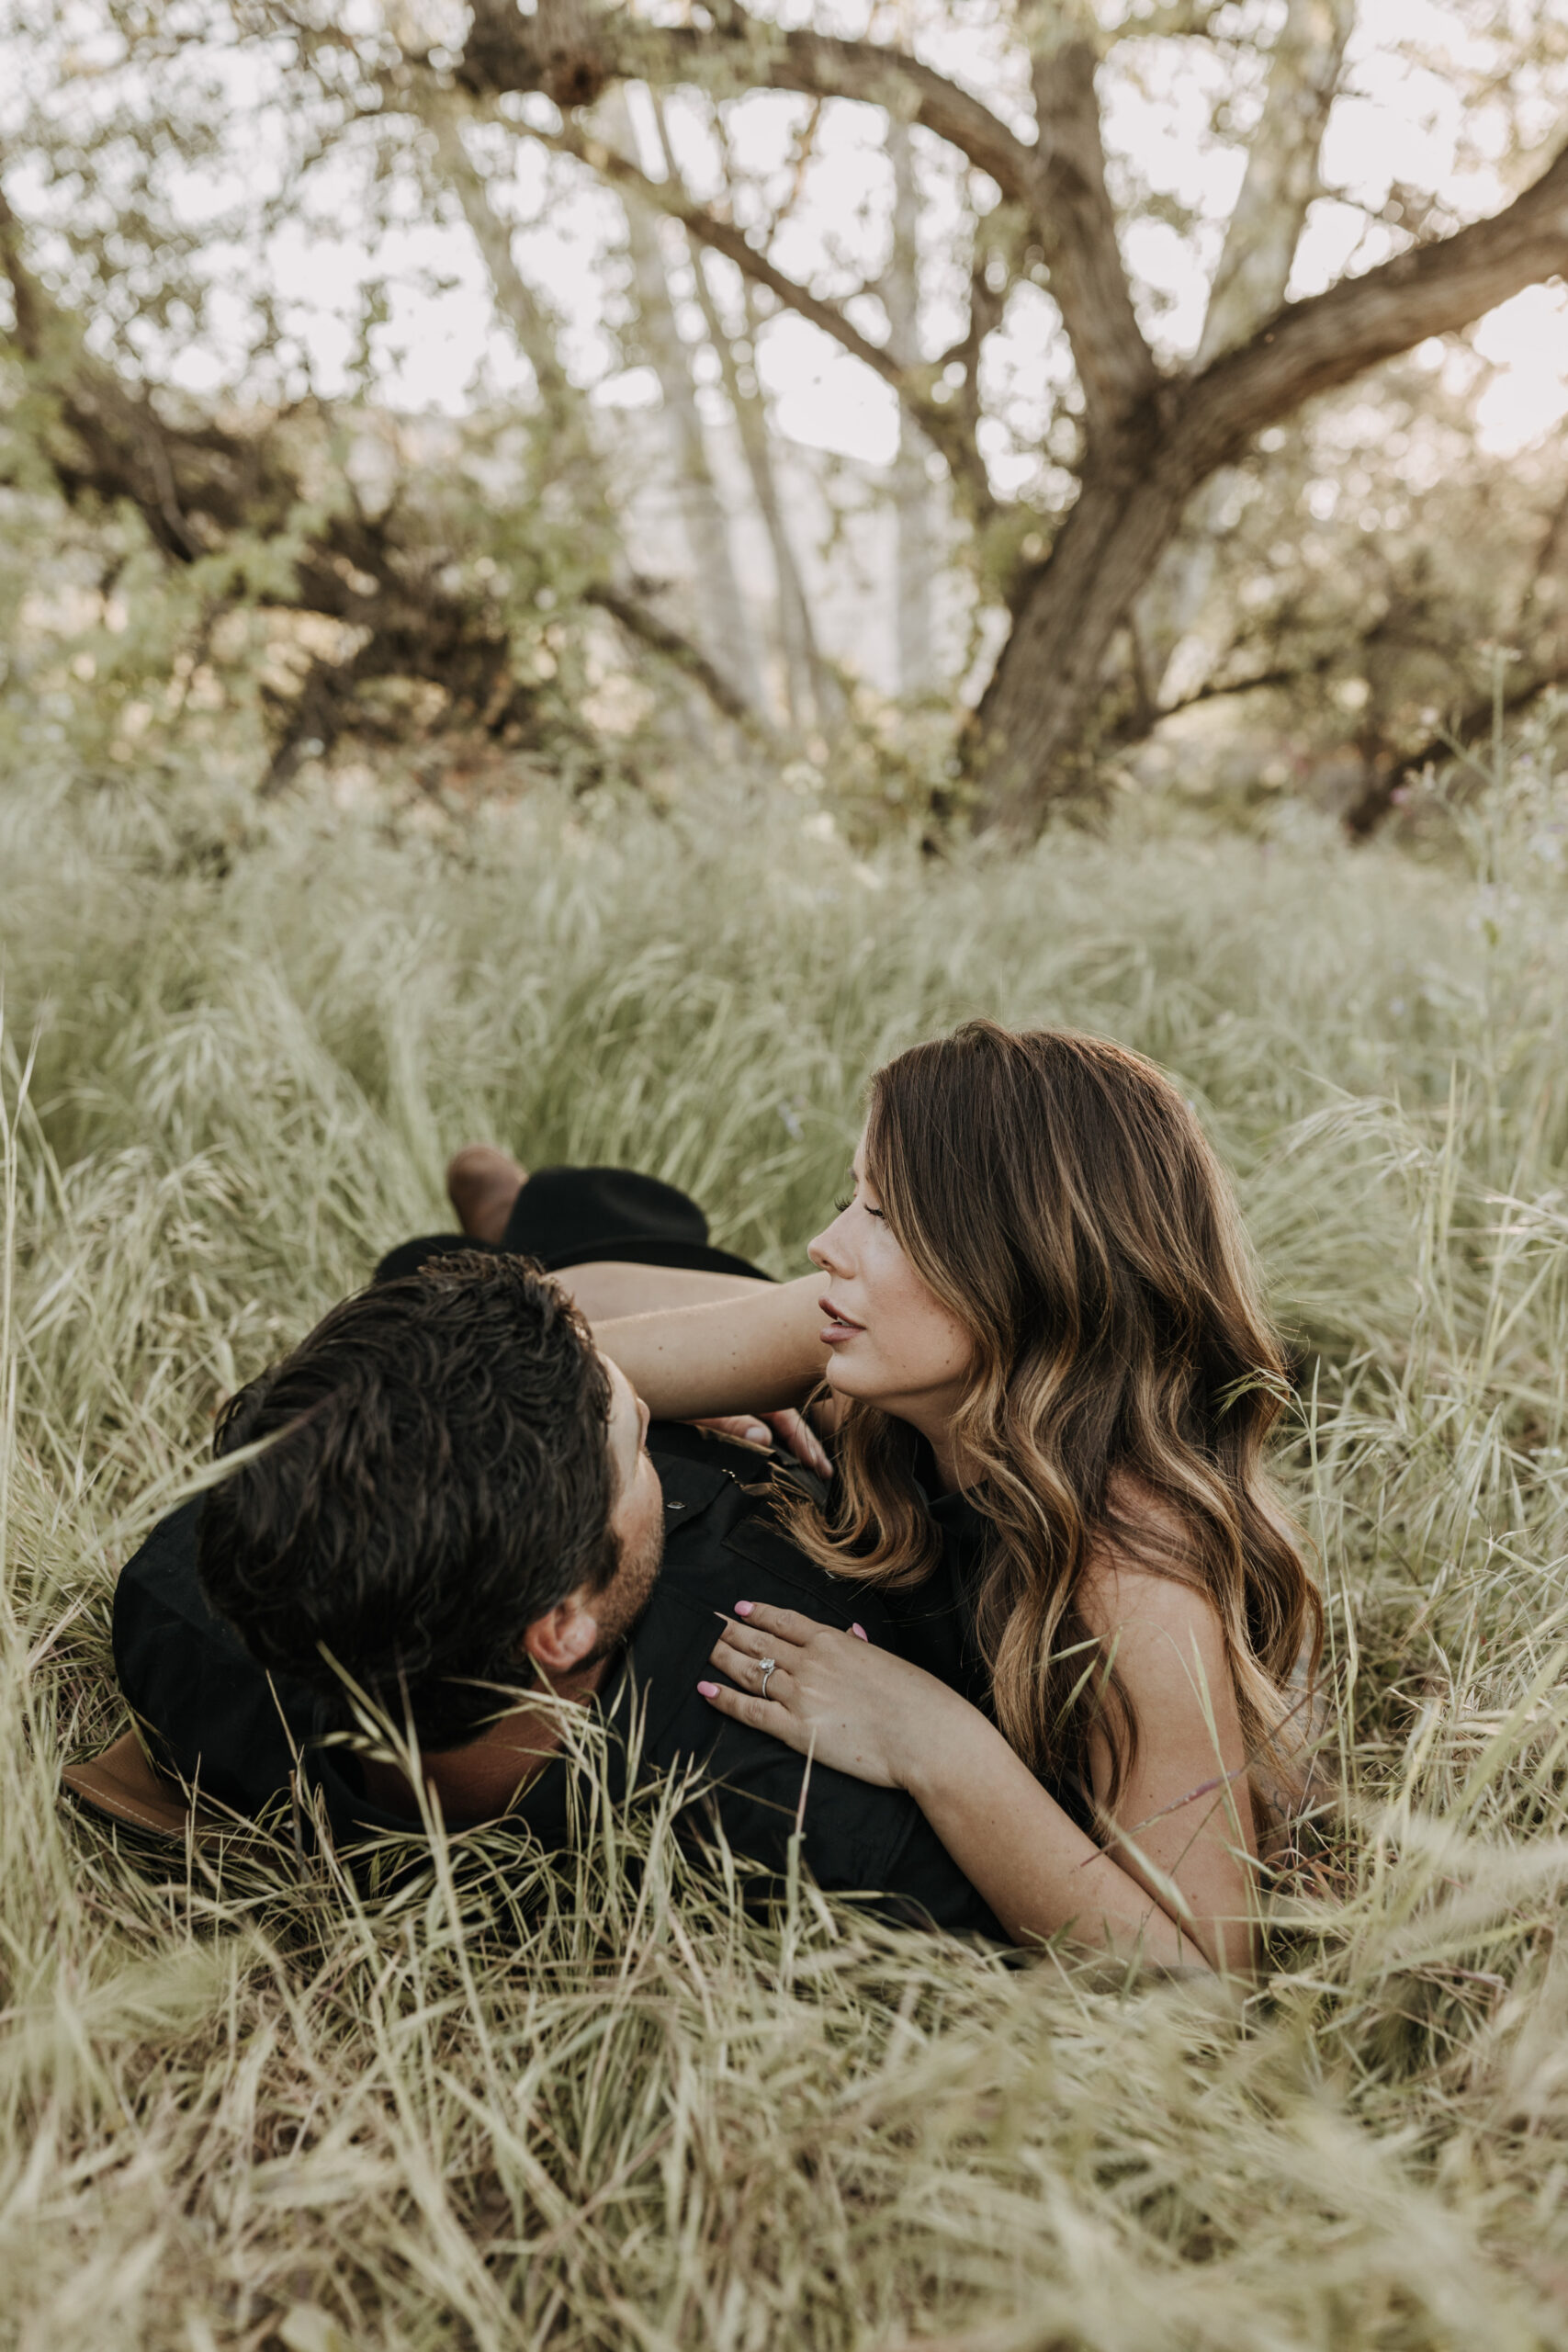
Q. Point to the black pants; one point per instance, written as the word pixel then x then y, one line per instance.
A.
pixel 567 1216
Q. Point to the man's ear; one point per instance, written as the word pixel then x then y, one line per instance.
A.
pixel 564 1637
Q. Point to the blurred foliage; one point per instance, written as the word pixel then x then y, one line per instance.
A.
pixel 1371 566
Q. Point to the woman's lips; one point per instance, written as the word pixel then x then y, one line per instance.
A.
pixel 838 1326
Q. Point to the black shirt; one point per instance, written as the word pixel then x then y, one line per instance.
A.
pixel 934 1620
pixel 252 1741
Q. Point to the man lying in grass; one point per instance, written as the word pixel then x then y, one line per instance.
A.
pixel 463 1509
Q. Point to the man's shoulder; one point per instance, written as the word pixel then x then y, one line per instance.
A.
pixel 215 1717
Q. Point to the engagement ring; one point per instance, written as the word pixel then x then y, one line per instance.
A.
pixel 769 1666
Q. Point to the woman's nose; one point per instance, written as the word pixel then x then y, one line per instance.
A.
pixel 822 1252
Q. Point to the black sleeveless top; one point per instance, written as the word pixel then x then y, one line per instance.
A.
pixel 934 1623
pixel 935 1620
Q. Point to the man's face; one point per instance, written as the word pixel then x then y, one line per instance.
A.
pixel 637 1520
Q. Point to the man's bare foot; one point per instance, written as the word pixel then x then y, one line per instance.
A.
pixel 482 1182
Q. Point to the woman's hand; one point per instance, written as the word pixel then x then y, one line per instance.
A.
pixel 789 1430
pixel 831 1694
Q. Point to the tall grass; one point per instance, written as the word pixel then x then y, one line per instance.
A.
pixel 246 2106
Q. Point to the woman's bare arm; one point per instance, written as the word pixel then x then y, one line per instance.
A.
pixel 1185 1812
pixel 753 1352
pixel 1039 1871
pixel 607 1289
pixel 1174 1888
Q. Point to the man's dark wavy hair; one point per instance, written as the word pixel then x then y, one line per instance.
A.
pixel 443 1479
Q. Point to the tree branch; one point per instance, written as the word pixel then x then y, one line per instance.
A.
pixel 1312 347
pixel 572 55
pixel 1454 744
pixel 640 622
pixel 1180 20
pixel 1115 365
pixel 571 51
pixel 1281 176
pixel 515 299
pixel 942 428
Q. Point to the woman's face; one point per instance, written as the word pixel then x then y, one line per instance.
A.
pixel 890 1340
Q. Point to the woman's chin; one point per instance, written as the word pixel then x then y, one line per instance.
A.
pixel 848 1382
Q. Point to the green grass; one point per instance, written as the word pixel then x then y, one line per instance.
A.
pixel 240 2109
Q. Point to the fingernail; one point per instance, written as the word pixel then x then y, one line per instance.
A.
pixel 860 1633
pixel 743 1608
pixel 758 1434
pixel 707 1689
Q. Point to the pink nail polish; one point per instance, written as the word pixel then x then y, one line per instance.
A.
pixel 707 1689
pixel 743 1608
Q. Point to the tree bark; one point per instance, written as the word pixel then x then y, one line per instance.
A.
pixel 1028 739
pixel 911 491
pixel 1089 279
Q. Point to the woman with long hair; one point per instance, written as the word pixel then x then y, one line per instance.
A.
pixel 1053 1383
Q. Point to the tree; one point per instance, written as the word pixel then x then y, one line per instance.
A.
pixel 725 629
pixel 1253 270
pixel 1150 433
pixel 1380 579
pixel 810 691
pixel 426 584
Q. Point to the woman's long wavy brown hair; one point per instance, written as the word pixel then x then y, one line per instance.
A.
pixel 1059 1197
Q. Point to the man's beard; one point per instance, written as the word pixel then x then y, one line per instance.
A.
pixel 621 1606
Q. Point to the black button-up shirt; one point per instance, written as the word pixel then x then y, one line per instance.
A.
pixel 249 1740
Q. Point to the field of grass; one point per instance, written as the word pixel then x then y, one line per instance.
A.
pixel 243 2108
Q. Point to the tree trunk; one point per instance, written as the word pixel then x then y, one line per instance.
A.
pixel 1281 181
pixel 1031 730
pixel 810 691
pixel 911 491
pixel 723 625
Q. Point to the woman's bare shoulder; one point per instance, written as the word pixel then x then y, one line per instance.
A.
pixel 1141 1570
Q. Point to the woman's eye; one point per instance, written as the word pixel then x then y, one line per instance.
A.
pixel 854 1200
